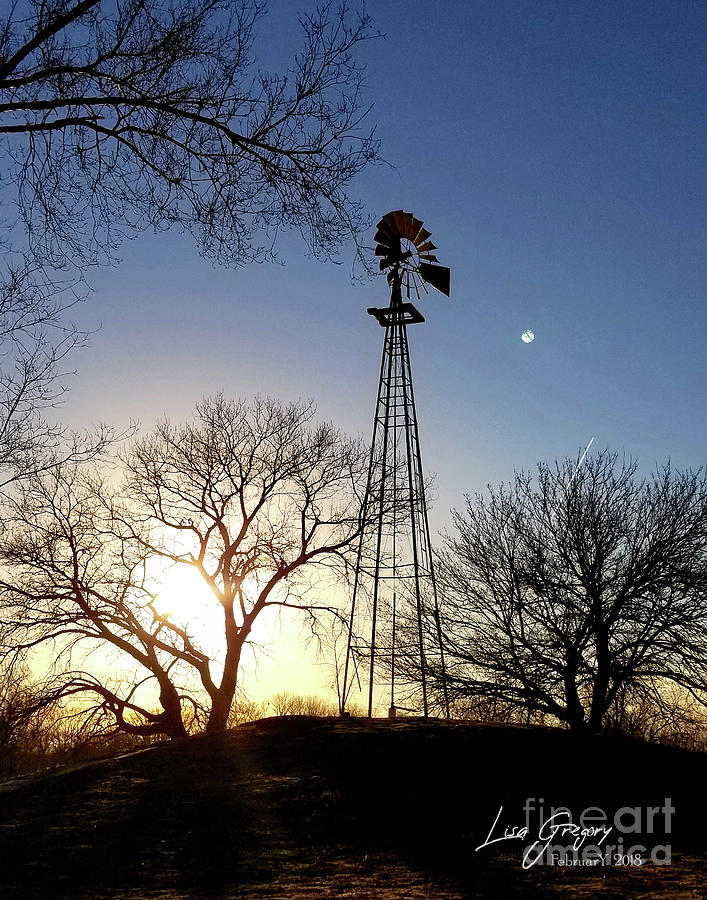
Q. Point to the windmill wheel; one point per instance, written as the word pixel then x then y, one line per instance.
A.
pixel 403 244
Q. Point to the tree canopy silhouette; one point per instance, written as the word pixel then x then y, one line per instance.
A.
pixel 121 116
pixel 560 595
pixel 116 116
pixel 254 499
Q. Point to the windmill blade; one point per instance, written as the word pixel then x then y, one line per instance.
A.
pixel 416 227
pixel 382 237
pixel 389 248
pixel 388 221
pixel 388 227
pixel 403 221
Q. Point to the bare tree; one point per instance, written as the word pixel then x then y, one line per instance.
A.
pixel 121 115
pixel 286 703
pixel 73 583
pixel 255 499
pixel 35 341
pixel 116 115
pixel 561 595
pixel 662 711
pixel 260 499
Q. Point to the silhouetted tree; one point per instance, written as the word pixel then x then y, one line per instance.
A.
pixel 17 699
pixel 285 703
pixel 560 595
pixel 116 116
pixel 121 116
pixel 255 499
pixel 35 341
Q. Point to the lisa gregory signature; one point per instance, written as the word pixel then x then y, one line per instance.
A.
pixel 556 828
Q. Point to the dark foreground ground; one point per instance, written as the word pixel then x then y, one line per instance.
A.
pixel 299 808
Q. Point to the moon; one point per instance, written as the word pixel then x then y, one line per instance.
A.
pixel 527 337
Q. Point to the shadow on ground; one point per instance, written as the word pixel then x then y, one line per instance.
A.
pixel 295 808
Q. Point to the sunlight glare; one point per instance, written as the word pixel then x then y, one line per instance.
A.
pixel 186 597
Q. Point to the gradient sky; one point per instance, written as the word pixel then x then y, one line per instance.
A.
pixel 557 153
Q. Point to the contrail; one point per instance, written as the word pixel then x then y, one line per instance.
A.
pixel 581 460
pixel 567 486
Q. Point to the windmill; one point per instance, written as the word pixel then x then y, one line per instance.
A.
pixel 394 590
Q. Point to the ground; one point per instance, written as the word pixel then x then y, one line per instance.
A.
pixel 297 808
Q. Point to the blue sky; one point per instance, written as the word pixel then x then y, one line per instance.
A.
pixel 557 152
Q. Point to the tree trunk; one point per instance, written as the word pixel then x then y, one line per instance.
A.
pixel 574 714
pixel 171 718
pixel 220 709
pixel 222 701
pixel 601 679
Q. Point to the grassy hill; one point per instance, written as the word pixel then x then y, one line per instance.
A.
pixel 296 807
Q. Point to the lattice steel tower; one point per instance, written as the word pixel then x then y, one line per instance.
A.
pixel 394 630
